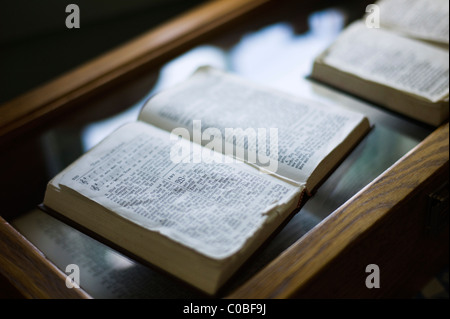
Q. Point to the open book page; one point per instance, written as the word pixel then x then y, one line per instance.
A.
pixel 422 19
pixel 212 208
pixel 387 58
pixel 278 132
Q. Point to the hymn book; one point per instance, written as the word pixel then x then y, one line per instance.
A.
pixel 191 205
pixel 403 65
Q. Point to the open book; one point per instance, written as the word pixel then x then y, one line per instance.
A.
pixel 209 171
pixel 398 72
pixel 424 20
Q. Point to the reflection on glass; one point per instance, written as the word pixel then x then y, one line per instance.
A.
pixel 171 74
pixel 278 57
pixel 104 273
pixel 275 56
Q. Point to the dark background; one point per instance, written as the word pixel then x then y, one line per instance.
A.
pixel 36 46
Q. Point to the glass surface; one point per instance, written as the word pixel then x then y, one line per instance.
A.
pixel 274 55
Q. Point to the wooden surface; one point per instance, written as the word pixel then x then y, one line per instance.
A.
pixel 384 224
pixel 118 65
pixel 28 271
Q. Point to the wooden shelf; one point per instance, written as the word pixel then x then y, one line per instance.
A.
pixel 384 223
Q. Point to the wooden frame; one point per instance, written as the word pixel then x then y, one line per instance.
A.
pixel 117 66
pixel 376 224
pixel 389 213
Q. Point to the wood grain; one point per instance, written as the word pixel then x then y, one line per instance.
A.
pixel 118 65
pixel 384 223
pixel 28 271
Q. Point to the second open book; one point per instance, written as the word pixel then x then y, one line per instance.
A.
pixel 209 171
pixel 402 65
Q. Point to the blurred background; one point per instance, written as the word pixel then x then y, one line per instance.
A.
pixel 36 45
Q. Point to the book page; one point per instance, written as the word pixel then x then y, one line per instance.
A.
pixel 383 57
pixel 212 208
pixel 421 19
pixel 281 133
